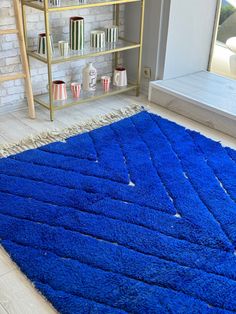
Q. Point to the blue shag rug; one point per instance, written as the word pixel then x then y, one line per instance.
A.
pixel 135 217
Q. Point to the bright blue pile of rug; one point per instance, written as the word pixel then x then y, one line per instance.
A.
pixel 135 217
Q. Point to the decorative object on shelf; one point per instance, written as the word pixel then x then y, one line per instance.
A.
pixel 106 82
pixel 77 33
pixel 89 77
pixel 55 3
pixel 63 47
pixel 59 90
pixel 58 2
pixel 97 38
pixel 120 77
pixel 75 89
pixel 112 34
pixel 42 44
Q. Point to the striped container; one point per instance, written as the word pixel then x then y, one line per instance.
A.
pixel 42 46
pixel 97 39
pixel 75 89
pixel 55 3
pixel 112 34
pixel 63 47
pixel 59 90
pixel 77 33
pixel 106 81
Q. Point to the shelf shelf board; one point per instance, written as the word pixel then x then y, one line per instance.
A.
pixel 75 4
pixel 84 97
pixel 88 52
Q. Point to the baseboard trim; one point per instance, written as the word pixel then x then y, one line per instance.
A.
pixel 207 117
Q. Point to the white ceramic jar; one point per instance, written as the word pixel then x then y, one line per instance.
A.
pixel 89 77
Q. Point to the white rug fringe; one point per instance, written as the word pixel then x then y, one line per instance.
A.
pixel 50 136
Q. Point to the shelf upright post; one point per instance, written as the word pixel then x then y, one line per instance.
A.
pixel 24 25
pixel 117 23
pixel 24 22
pixel 141 47
pixel 49 58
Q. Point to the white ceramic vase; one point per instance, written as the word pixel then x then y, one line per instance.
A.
pixel 89 77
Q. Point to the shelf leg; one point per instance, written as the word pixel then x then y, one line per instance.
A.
pixel 24 24
pixel 49 58
pixel 51 115
pixel 24 19
pixel 24 60
pixel 117 23
pixel 141 47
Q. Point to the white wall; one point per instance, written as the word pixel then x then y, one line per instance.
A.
pixel 177 37
pixel 153 22
pixel 191 24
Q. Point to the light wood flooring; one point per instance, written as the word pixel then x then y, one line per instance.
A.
pixel 17 295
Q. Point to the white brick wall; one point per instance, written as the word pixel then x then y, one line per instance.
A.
pixel 12 95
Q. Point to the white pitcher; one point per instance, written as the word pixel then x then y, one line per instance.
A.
pixel 89 77
pixel 120 77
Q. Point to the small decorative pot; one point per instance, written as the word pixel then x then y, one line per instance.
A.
pixel 89 77
pixel 97 39
pixel 63 47
pixel 59 90
pixel 55 3
pixel 106 81
pixel 77 33
pixel 75 89
pixel 120 77
pixel 112 34
pixel 42 44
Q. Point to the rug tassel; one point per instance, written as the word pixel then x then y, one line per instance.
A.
pixel 50 136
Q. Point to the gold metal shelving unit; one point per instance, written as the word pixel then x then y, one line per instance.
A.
pixel 46 100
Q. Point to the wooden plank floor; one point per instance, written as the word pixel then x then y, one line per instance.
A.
pixel 17 295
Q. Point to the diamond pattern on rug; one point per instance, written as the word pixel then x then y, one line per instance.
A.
pixel 135 217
